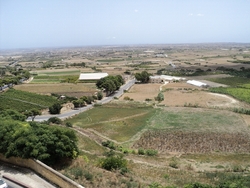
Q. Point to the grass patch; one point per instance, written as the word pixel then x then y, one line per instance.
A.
pixel 241 94
pixel 85 143
pixel 196 119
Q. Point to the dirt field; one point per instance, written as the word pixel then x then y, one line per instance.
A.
pixel 76 90
pixel 182 94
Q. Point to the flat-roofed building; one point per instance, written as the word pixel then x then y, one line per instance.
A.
pixel 92 76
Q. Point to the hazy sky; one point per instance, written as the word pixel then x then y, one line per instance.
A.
pixel 62 23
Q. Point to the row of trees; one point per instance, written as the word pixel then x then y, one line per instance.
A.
pixel 49 144
pixel 84 100
pixel 110 83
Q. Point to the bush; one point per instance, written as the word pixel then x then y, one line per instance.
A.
pixel 55 108
pixel 88 176
pixel 126 98
pixel 109 144
pixel 54 120
pixel 99 95
pixel 151 152
pixel 141 151
pixel 114 163
pixel 173 163
pixel 77 172
pixel 68 124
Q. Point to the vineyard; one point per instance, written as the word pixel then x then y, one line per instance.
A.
pixel 21 100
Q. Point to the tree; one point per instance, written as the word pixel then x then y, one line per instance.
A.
pixel 12 114
pixel 110 83
pixel 33 113
pixel 160 97
pixel 49 144
pixel 114 163
pixel 99 95
pixel 143 77
pixel 55 108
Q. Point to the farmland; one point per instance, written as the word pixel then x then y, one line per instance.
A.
pixel 21 101
pixel 194 133
pixel 172 131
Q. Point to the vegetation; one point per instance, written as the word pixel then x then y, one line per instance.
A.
pixel 50 144
pixel 113 162
pixel 110 83
pixel 142 77
pixel 22 101
pixel 160 97
pixel 33 113
pixel 55 108
pixel 238 93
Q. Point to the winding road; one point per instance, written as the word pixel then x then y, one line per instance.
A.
pixel 71 113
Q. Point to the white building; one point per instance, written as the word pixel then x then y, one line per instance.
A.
pixel 164 78
pixel 197 83
pixel 92 76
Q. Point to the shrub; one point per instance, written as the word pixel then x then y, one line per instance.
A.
pixel 77 172
pixel 54 120
pixel 141 151
pixel 109 144
pixel 68 124
pixel 114 163
pixel 151 152
pixel 88 176
pixel 173 163
pixel 126 98
pixel 99 95
pixel 55 108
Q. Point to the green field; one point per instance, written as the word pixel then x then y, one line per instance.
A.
pixel 22 101
pixel 195 119
pixel 231 81
pixel 118 123
pixel 239 87
pixel 241 94
pixel 109 60
pixel 55 76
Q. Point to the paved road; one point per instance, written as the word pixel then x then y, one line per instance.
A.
pixel 11 184
pixel 71 113
pixel 22 175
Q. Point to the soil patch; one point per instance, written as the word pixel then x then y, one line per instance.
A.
pixel 179 141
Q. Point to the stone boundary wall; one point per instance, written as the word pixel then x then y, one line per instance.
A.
pixel 44 170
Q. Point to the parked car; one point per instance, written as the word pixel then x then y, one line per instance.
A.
pixel 3 184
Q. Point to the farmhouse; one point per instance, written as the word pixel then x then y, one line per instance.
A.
pixel 164 78
pixel 197 83
pixel 92 76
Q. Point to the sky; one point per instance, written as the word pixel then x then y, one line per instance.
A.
pixel 69 23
